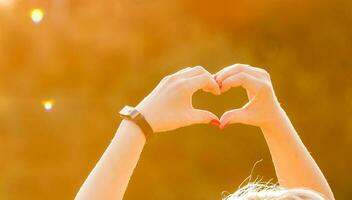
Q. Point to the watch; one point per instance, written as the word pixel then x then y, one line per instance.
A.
pixel 130 113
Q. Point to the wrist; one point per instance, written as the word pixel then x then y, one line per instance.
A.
pixel 129 130
pixel 276 117
pixel 134 115
pixel 279 127
pixel 147 112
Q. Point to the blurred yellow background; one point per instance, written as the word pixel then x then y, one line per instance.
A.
pixel 69 66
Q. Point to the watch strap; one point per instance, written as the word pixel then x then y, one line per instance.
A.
pixel 137 117
pixel 143 124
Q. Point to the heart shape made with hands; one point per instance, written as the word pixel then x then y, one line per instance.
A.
pixel 174 91
pixel 219 104
pixel 261 99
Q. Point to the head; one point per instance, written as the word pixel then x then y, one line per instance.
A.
pixel 257 191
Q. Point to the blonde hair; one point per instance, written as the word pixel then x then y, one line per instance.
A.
pixel 260 191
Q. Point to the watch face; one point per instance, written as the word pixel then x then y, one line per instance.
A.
pixel 129 111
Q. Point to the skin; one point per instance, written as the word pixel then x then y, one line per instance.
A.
pixel 294 165
pixel 169 106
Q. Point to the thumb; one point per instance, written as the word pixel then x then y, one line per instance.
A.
pixel 234 116
pixel 204 117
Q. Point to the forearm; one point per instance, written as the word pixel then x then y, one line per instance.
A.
pixel 167 107
pixel 294 165
pixel 110 177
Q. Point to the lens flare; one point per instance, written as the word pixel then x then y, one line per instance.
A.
pixel 48 105
pixel 37 15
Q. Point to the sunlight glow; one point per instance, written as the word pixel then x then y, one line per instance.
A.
pixel 6 3
pixel 37 15
pixel 48 105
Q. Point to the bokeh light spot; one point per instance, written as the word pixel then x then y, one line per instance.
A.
pixel 37 15
pixel 48 105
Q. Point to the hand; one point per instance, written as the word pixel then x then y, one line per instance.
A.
pixel 169 105
pixel 263 106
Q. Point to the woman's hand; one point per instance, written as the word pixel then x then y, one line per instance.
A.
pixel 169 105
pixel 263 107
pixel 293 170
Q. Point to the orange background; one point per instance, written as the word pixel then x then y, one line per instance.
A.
pixel 93 57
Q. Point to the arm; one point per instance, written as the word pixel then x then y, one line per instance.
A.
pixel 109 178
pixel 167 107
pixel 294 166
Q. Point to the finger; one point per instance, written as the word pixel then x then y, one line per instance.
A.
pixel 182 70
pixel 205 82
pixel 234 116
pixel 191 71
pixel 250 83
pixel 204 117
pixel 250 94
pixel 237 68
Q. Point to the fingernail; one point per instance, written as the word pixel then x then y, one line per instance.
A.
pixel 215 122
